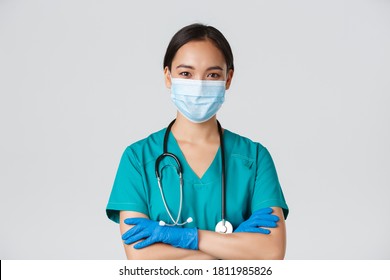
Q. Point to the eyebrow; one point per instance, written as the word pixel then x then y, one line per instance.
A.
pixel 192 67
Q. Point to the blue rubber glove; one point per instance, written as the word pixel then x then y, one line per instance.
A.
pixel 260 218
pixel 152 232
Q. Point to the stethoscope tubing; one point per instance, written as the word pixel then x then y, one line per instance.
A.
pixel 223 191
pixel 180 173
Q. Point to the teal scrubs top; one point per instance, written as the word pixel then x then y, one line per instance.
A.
pixel 251 183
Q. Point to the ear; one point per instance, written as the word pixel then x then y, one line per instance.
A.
pixel 167 77
pixel 229 78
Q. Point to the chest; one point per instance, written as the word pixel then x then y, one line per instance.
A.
pixel 201 197
pixel 199 157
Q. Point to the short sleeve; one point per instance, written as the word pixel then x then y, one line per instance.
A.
pixel 128 191
pixel 267 192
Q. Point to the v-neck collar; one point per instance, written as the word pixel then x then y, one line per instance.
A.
pixel 213 172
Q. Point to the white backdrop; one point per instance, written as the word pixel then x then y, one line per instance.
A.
pixel 81 80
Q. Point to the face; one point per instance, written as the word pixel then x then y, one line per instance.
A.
pixel 199 60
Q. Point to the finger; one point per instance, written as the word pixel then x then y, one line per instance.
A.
pixel 134 221
pixel 261 230
pixel 145 243
pixel 267 210
pixel 134 230
pixel 262 223
pixel 255 230
pixel 136 237
pixel 266 217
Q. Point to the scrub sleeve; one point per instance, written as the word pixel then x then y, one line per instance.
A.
pixel 127 192
pixel 267 192
pixel 250 189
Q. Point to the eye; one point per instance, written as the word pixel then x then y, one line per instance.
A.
pixel 214 76
pixel 185 74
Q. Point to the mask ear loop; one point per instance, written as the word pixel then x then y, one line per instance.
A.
pixel 170 77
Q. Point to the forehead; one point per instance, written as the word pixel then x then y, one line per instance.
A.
pixel 199 53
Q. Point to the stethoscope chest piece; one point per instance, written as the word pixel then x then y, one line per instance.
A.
pixel 224 227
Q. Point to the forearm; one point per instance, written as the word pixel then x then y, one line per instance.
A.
pixel 160 251
pixel 243 245
pixel 240 245
pixel 202 244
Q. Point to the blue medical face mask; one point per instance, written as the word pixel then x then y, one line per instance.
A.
pixel 197 100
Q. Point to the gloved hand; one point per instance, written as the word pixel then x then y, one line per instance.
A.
pixel 260 218
pixel 152 232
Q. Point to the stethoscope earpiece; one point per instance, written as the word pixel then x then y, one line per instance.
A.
pixel 162 223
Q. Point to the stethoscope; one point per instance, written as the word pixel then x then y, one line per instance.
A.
pixel 222 226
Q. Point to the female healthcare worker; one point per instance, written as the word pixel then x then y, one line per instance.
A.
pixel 194 190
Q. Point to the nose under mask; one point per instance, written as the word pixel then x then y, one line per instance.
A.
pixel 197 100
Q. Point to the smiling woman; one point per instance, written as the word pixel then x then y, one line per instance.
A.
pixel 208 178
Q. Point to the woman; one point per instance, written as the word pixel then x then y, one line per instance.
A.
pixel 213 176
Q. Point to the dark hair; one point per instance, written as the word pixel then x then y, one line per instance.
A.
pixel 198 32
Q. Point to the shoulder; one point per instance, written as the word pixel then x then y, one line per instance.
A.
pixel 241 145
pixel 153 139
pixel 147 148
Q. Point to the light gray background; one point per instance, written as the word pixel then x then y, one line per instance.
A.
pixel 81 80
